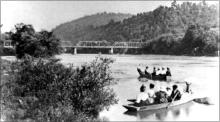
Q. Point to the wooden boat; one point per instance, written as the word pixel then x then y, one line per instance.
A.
pixel 160 114
pixel 152 77
pixel 131 107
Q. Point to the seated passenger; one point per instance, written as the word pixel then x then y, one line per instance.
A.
pixel 175 94
pixel 163 72
pixel 154 72
pixel 168 91
pixel 168 74
pixel 161 97
pixel 158 71
pixel 140 72
pixel 151 93
pixel 142 97
pixel 146 71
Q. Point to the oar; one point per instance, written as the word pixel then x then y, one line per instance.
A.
pixel 171 101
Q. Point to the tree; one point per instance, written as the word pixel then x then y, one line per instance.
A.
pixel 49 42
pixel 199 40
pixel 47 90
pixel 27 41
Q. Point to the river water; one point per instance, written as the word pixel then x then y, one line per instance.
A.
pixel 202 72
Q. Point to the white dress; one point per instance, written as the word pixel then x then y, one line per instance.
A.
pixel 151 95
pixel 142 96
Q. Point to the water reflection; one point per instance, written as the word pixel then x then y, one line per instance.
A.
pixel 162 114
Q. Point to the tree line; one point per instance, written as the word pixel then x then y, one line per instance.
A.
pixel 184 19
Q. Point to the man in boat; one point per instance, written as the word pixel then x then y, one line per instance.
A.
pixel 154 72
pixel 168 74
pixel 163 73
pixel 142 97
pixel 188 87
pixel 151 94
pixel 146 71
pixel 140 72
pixel 175 94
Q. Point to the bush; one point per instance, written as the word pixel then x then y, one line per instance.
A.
pixel 44 89
pixel 36 44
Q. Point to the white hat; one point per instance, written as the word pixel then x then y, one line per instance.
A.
pixel 162 88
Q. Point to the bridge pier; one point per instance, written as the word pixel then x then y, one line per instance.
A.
pixel 75 51
pixel 112 51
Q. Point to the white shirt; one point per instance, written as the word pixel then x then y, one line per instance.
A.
pixel 168 92
pixel 146 70
pixel 158 72
pixel 163 72
pixel 142 96
pixel 151 95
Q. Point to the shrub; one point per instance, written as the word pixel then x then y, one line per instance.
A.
pixel 44 89
pixel 36 44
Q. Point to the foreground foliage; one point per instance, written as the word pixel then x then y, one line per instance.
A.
pixel 45 90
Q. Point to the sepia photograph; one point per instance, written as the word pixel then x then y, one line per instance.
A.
pixel 103 61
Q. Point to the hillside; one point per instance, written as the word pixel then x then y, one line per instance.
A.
pixel 186 29
pixel 143 26
pixel 72 30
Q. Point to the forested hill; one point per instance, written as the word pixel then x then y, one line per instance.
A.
pixel 74 30
pixel 142 26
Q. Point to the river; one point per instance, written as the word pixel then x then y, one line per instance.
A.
pixel 202 72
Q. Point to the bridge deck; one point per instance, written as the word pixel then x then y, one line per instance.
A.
pixel 103 44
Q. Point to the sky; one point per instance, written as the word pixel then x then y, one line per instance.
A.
pixel 49 14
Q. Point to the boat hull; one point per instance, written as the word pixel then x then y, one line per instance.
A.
pixel 132 107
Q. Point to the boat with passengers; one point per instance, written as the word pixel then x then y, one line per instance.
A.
pixel 153 77
pixel 187 97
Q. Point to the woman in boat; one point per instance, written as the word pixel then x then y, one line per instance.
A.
pixel 158 72
pixel 175 94
pixel 168 91
pixel 151 94
pixel 163 72
pixel 142 97
pixel 161 96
